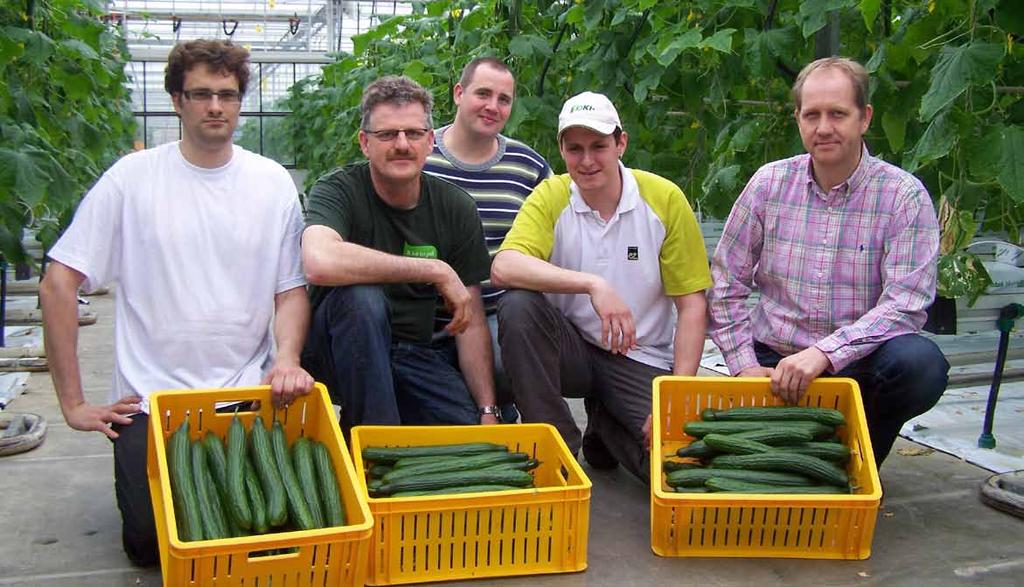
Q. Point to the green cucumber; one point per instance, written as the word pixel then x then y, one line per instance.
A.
pixel 736 486
pixel 212 518
pixel 238 502
pixel 777 436
pixel 391 454
pixel 830 451
pixel 455 490
pixel 669 466
pixel 254 493
pixel 183 487
pixel 334 510
pixel 270 476
pixel 527 465
pixel 697 477
pixel 698 449
pixel 828 416
pixel 297 505
pixel 442 480
pixel 462 464
pixel 302 454
pixel 700 429
pixel 786 462
pixel 730 444
pixel 378 471
pixel 216 461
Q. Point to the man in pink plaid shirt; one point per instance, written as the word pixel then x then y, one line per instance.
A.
pixel 842 247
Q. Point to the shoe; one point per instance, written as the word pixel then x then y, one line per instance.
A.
pixel 597 454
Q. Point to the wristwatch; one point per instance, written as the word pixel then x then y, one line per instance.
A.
pixel 491 410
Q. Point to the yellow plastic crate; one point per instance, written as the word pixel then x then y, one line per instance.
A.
pixel 326 556
pixel 473 535
pixel 732 525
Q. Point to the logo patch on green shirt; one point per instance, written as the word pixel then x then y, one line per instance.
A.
pixel 419 251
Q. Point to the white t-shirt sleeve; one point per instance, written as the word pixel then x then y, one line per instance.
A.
pixel 289 271
pixel 91 245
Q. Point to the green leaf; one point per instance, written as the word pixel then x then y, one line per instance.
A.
pixel 720 41
pixel 21 171
pixel 650 77
pixel 1011 175
pixel 956 69
pixel 763 48
pixel 936 142
pixel 80 49
pixel 894 123
pixel 869 10
pixel 744 136
pixel 814 15
pixel 962 274
pixel 876 60
pixel 574 15
pixel 986 154
pixel 527 45
pixel 416 71
pixel 689 40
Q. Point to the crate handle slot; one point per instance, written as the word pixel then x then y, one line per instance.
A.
pixel 272 554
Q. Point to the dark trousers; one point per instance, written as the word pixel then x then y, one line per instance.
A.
pixel 903 378
pixel 376 380
pixel 546 359
pixel 138 529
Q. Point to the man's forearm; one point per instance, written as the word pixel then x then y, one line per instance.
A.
pixel 329 260
pixel 476 360
pixel 58 296
pixel 513 269
pixel 291 322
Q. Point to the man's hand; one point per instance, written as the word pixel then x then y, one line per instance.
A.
pixel 456 300
pixel 647 431
pixel 618 331
pixel 795 372
pixel 287 380
pixel 757 371
pixel 88 417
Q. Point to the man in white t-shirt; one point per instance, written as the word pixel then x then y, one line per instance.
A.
pixel 202 239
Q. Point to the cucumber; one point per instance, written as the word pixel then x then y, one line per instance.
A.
pixel 212 518
pixel 700 429
pixel 826 416
pixel 302 454
pixel 183 487
pixel 681 489
pixel 254 493
pixel 527 465
pixel 442 480
pixel 414 461
pixel 697 477
pixel 777 437
pixel 737 486
pixel 698 449
pixel 300 515
pixel 216 461
pixel 729 443
pixel 238 502
pixel 270 477
pixel 455 490
pixel 788 462
pixel 669 466
pixel 378 471
pixel 391 454
pixel 829 451
pixel 462 464
pixel 334 511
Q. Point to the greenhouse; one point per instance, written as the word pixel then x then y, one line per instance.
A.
pixel 558 292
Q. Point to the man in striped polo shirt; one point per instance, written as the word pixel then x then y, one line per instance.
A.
pixel 497 171
pixel 843 249
pixel 610 270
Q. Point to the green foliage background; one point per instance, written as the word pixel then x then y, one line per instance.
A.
pixel 65 113
pixel 703 90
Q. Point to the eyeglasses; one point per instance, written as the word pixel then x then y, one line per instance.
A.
pixel 388 135
pixel 204 95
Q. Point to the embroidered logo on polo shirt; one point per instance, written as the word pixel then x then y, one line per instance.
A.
pixel 419 251
pixel 632 253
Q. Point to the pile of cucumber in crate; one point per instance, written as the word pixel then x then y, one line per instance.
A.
pixel 408 471
pixel 252 485
pixel 762 450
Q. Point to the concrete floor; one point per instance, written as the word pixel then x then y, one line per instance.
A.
pixel 59 525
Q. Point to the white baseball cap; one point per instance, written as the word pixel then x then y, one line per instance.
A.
pixel 589 110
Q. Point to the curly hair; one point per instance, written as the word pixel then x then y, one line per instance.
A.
pixel 853 70
pixel 395 90
pixel 218 56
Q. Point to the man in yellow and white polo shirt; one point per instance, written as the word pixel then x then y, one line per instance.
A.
pixel 606 270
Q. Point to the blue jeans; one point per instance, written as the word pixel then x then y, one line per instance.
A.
pixel 903 378
pixel 374 379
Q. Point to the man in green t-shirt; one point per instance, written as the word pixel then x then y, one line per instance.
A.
pixel 382 241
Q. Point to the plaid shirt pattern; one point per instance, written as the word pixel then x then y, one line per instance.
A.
pixel 843 271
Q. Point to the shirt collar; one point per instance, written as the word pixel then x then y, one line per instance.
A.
pixel 852 182
pixel 628 200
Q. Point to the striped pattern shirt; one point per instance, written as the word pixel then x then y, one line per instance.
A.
pixel 843 271
pixel 499 186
